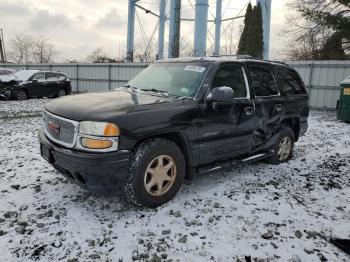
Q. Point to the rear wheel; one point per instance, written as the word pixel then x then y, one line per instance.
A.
pixel 20 95
pixel 283 150
pixel 61 92
pixel 157 169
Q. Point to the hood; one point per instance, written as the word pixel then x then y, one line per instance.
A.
pixel 106 105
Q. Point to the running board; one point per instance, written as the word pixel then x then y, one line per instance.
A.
pixel 229 164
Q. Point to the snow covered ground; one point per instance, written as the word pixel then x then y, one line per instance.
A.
pixel 256 212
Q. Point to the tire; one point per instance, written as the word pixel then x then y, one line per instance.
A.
pixel 61 92
pixel 20 95
pixel 152 161
pixel 283 149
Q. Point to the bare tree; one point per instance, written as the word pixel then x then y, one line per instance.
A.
pixel 99 56
pixel 21 48
pixel 43 50
pixel 313 25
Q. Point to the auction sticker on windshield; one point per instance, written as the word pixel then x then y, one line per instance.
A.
pixel 199 69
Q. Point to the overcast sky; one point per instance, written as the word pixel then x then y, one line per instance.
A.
pixel 77 27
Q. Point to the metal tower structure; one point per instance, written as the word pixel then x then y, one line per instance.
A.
pixel 200 26
pixel 266 14
pixel 2 47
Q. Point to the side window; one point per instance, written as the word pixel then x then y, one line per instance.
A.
pixel 263 81
pixel 38 76
pixel 51 76
pixel 232 76
pixel 290 81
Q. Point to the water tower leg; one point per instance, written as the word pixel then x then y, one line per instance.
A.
pixel 217 27
pixel 200 27
pixel 130 33
pixel 266 14
pixel 174 28
pixel 161 29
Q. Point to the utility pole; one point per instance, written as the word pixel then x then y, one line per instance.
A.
pixel 174 28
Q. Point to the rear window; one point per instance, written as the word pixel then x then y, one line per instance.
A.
pixel 290 81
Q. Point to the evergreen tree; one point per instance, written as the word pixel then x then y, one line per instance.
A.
pixel 244 41
pixel 332 49
pixel 251 42
pixel 326 23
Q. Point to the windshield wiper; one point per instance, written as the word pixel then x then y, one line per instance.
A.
pixel 162 92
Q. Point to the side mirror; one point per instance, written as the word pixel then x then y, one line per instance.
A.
pixel 34 81
pixel 221 95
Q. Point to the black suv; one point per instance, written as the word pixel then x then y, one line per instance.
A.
pixel 175 119
pixel 38 83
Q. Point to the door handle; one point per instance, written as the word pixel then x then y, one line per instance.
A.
pixel 279 108
pixel 249 110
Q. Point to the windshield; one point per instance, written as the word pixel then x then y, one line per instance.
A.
pixel 177 79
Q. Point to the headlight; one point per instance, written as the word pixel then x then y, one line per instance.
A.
pixel 98 136
pixel 98 128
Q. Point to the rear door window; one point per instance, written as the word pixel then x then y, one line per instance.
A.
pixel 39 77
pixel 290 81
pixel 264 83
pixel 50 76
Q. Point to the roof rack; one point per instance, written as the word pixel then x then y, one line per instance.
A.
pixel 237 56
pixel 277 62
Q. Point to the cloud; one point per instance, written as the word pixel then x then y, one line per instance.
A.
pixel 45 20
pixel 17 8
pixel 111 19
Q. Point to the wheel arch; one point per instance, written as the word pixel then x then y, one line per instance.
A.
pixel 294 124
pixel 183 143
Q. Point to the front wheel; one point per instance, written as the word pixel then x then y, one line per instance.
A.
pixel 157 170
pixel 283 149
pixel 20 95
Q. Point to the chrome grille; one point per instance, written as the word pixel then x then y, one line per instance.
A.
pixel 60 130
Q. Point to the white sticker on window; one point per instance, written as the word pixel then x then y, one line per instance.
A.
pixel 199 69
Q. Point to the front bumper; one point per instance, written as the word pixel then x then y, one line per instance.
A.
pixel 5 94
pixel 97 172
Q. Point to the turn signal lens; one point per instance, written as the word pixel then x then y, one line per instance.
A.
pixel 95 144
pixel 111 130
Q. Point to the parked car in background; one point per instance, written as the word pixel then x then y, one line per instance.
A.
pixel 7 82
pixel 176 118
pixel 7 75
pixel 39 83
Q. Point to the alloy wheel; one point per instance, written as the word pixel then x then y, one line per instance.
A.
pixel 61 92
pixel 160 175
pixel 21 95
pixel 284 148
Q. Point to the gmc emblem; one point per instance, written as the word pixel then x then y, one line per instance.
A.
pixel 54 127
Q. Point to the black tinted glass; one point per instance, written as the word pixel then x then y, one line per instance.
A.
pixel 290 81
pixel 231 76
pixel 263 81
pixel 50 75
